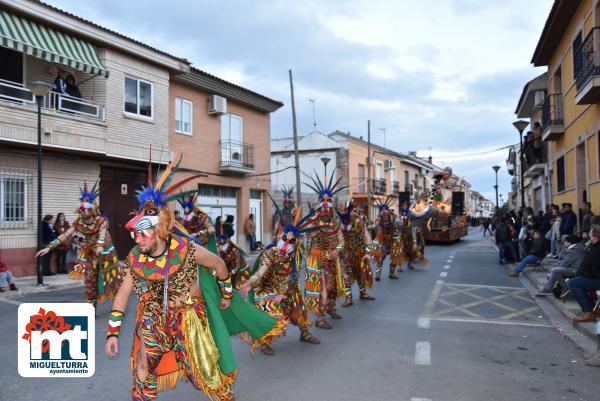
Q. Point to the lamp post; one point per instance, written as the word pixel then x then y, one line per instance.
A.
pixel 39 90
pixel 520 126
pixel 325 160
pixel 496 168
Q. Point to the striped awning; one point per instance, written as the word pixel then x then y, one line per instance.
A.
pixel 20 34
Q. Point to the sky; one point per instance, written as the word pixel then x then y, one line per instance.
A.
pixel 442 77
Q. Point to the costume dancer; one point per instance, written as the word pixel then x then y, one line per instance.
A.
pixel 280 220
pixel 387 240
pixel 357 246
pixel 235 259
pixel 195 220
pixel 421 213
pixel 97 263
pixel 184 318
pixel 275 286
pixel 324 282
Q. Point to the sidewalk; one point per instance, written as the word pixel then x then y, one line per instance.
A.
pixel 28 285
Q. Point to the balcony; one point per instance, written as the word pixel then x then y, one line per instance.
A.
pixel 587 69
pixel 236 157
pixel 360 185
pixel 553 117
pixel 379 187
pixel 395 186
pixel 17 93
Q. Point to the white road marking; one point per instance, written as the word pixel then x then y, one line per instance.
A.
pixel 440 282
pixel 420 399
pixel 423 353
pixel 444 274
pixel 446 266
pixel 502 322
pixel 451 256
pixel 423 322
pixel 10 301
pixel 449 261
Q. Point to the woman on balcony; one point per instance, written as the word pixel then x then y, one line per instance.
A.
pixel 72 89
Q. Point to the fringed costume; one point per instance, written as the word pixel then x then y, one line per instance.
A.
pixel 195 220
pixel 387 240
pixel 97 262
pixel 324 282
pixel 420 213
pixel 235 259
pixel 180 331
pixel 280 219
pixel 356 247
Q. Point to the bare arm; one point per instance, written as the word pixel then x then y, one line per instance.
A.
pixel 111 348
pixel 205 258
pixel 60 240
pixel 263 267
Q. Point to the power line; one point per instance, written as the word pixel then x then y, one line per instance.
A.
pixel 483 152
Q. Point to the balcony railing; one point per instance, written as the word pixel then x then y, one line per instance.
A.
pixel 586 58
pixel 15 92
pixel 553 117
pixel 395 186
pixel 379 187
pixel 237 156
pixel 360 185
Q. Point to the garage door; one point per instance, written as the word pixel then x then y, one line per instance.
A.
pixel 220 201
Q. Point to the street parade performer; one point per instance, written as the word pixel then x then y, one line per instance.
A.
pixel 421 213
pixel 185 314
pixel 97 264
pixel 195 220
pixel 288 209
pixel 235 260
pixel 324 282
pixel 387 239
pixel 357 247
pixel 275 282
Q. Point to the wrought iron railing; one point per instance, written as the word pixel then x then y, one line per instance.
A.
pixel 15 92
pixel 237 155
pixel 586 62
pixel 360 185
pixel 378 187
pixel 395 186
pixel 552 112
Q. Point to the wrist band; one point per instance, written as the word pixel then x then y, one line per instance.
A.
pixel 226 287
pixel 253 279
pixel 115 318
pixel 54 244
pixel 101 240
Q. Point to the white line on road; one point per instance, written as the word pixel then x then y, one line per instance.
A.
pixel 444 274
pixel 449 261
pixel 10 301
pixel 451 256
pixel 423 322
pixel 446 266
pixel 420 399
pixel 423 353
pixel 439 282
pixel 502 322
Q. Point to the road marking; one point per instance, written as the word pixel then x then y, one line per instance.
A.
pixel 10 301
pixel 446 266
pixel 449 261
pixel 501 322
pixel 435 293
pixel 423 353
pixel 423 322
pixel 451 256
pixel 444 274
pixel 420 399
pixel 439 282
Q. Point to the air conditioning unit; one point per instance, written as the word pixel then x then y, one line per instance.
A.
pixel 539 98
pixel 217 105
pixel 388 164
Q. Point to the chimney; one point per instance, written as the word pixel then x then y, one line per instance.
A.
pixel 412 153
pixel 430 159
pixel 361 138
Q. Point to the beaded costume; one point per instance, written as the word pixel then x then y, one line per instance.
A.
pixel 387 240
pixel 196 222
pixel 235 259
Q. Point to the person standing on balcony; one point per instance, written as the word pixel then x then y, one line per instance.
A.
pixel 60 82
pixel 71 87
pixel 538 144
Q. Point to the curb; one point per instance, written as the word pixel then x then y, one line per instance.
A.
pixel 28 286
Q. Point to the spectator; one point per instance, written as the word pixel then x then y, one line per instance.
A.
pixel 537 253
pixel 568 221
pixel 250 231
pixel 218 227
pixel 555 232
pixel 486 227
pixel 504 240
pixel 574 254
pixel 71 87
pixel 6 278
pixel 47 237
pixel 228 230
pixel 60 226
pixel 587 279
pixel 586 220
pixel 546 223
pixel 538 144
pixel 60 82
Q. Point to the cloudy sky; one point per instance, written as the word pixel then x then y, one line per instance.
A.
pixel 443 77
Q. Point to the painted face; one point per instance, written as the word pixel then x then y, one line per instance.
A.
pixel 145 240
pixel 223 246
pixel 286 245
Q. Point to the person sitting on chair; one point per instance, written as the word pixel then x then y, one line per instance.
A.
pixel 536 254
pixel 587 279
pixel 574 254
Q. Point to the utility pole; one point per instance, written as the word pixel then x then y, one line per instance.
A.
pixel 369 169
pixel 296 157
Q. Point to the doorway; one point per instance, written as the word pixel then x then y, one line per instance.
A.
pixel 256 210
pixel 580 175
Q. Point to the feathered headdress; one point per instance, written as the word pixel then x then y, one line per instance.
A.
pixel 325 189
pixel 88 197
pixel 346 211
pixel 385 204
pixel 153 199
pixel 288 195
pixel 187 200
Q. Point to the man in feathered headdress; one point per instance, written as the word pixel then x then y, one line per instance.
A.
pixel 185 314
pixel 387 239
pixel 195 220
pixel 288 209
pixel 97 262
pixel 275 282
pixel 421 213
pixel 357 247
pixel 324 274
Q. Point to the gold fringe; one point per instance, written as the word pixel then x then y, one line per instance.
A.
pixel 168 381
pixel 276 331
pixel 76 275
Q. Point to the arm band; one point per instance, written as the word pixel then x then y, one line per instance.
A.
pixel 226 287
pixel 54 244
pixel 115 318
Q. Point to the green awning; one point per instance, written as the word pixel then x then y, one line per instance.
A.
pixel 21 34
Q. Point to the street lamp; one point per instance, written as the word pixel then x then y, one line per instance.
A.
pixel 325 160
pixel 496 168
pixel 520 126
pixel 39 90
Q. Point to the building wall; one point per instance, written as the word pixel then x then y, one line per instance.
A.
pixel 581 122
pixel 201 151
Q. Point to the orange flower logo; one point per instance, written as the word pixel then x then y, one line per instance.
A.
pixel 44 321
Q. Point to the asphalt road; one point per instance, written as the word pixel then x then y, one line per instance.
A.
pixel 457 330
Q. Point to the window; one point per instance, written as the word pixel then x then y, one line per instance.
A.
pixel 560 174
pixel 13 199
pixel 138 97
pixel 232 128
pixel 183 116
pixel 406 183
pixel 577 55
